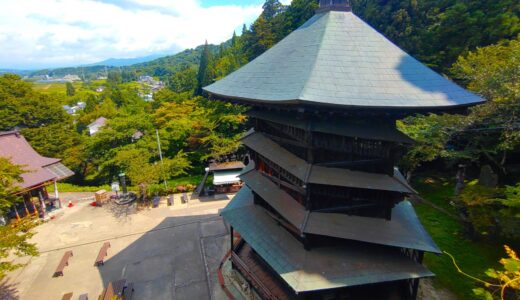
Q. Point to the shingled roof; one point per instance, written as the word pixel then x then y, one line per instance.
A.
pixel 320 268
pixel 336 59
pixel 40 169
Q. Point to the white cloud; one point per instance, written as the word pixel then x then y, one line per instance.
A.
pixel 39 33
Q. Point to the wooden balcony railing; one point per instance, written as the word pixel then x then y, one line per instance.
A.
pixel 264 292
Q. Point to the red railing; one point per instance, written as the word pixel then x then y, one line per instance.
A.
pixel 251 277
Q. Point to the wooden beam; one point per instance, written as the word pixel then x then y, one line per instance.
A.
pixel 286 141
pixel 348 163
pixel 285 184
pixel 345 208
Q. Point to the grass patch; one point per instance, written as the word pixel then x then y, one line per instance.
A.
pixel 473 257
pixel 185 180
pixel 68 187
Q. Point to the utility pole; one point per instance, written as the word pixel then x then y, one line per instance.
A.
pixel 160 156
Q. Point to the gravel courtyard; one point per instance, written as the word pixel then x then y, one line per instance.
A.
pixel 167 252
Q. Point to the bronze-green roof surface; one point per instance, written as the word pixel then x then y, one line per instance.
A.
pixel 403 230
pixel 322 267
pixel 336 59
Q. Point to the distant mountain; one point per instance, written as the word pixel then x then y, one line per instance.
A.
pixel 161 67
pixel 15 71
pixel 170 64
pixel 123 62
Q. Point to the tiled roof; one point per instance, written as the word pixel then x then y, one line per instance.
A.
pixel 320 268
pixel 323 175
pixel 101 121
pixel 282 202
pixel 40 169
pixel 230 165
pixel 336 59
pixel 404 230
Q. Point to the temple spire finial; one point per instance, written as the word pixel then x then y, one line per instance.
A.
pixel 336 5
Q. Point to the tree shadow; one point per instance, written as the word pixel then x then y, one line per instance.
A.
pixel 8 291
pixel 121 212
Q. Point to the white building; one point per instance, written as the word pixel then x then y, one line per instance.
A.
pixel 95 126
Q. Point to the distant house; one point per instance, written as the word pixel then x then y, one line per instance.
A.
pixel 148 97
pixel 146 79
pixel 71 78
pixel 95 126
pixel 40 172
pixel 137 135
pixel 72 110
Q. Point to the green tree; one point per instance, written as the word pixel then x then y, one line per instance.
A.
pixel 205 73
pixel 493 129
pixel 184 80
pixel 13 237
pixel 70 89
pixel 271 9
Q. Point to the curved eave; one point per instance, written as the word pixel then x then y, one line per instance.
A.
pixel 298 104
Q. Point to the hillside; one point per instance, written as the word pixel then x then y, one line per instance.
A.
pixel 161 67
pixel 170 64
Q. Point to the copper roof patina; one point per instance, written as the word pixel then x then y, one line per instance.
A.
pixel 323 267
pixel 335 59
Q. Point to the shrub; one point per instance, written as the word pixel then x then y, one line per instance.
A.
pixel 493 212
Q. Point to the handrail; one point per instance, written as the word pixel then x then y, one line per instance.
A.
pixel 263 289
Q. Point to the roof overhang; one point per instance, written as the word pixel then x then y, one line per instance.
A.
pixel 321 268
pixel 226 177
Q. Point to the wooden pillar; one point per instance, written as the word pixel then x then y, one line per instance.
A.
pixel 232 238
pixel 56 193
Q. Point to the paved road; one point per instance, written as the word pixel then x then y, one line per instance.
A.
pixel 169 253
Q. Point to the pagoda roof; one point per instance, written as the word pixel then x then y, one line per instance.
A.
pixel 323 267
pixel 323 175
pixel 403 230
pixel 281 201
pixel 335 59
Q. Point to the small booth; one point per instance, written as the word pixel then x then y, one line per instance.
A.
pixel 225 178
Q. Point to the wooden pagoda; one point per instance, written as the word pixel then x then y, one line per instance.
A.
pixel 323 213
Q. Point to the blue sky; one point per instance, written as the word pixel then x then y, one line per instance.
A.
pixel 53 33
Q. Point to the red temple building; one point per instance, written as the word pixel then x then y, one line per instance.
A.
pixel 323 213
pixel 41 172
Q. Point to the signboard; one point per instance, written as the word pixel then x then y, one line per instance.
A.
pixel 115 186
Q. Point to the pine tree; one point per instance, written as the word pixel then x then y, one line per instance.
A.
pixel 70 89
pixel 203 74
pixel 271 9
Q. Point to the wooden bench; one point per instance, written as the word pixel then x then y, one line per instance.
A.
pixel 117 290
pixel 184 198
pixel 63 263
pixel 67 296
pixel 102 253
